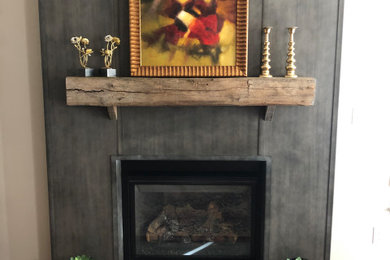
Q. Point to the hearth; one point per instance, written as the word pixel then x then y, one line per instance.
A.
pixel 204 208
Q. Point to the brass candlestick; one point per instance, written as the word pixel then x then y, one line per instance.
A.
pixel 290 68
pixel 265 73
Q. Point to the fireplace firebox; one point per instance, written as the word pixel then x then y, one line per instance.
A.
pixel 190 208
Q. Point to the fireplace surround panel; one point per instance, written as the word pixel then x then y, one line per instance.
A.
pixel 186 208
pixel 301 141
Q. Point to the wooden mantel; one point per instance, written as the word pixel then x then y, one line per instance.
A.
pixel 133 91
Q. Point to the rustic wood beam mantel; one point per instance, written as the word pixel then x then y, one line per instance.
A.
pixel 133 91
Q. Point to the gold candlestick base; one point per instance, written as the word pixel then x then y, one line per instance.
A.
pixel 291 68
pixel 265 68
pixel 291 76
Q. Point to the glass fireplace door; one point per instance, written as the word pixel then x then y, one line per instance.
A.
pixel 211 221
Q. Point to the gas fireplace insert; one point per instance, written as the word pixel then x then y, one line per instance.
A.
pixel 190 209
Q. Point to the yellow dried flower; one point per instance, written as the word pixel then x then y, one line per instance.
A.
pixel 116 40
pixel 112 44
pixel 85 41
pixel 80 44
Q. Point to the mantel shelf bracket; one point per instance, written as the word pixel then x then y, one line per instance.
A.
pixel 269 113
pixel 113 112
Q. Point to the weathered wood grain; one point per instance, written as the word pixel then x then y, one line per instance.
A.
pixel 79 140
pixel 200 131
pixel 190 92
pixel 299 139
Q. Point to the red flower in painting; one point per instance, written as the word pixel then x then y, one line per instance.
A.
pixel 172 33
pixel 205 30
pixel 195 19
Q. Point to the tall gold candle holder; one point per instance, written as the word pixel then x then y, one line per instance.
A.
pixel 265 68
pixel 290 68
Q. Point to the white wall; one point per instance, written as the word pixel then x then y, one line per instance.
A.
pixel 24 217
pixel 361 224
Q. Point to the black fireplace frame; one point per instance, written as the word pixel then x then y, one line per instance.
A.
pixel 118 225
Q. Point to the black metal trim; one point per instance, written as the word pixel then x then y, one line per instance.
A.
pixel 333 131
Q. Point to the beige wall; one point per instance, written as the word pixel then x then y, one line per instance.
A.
pixel 24 218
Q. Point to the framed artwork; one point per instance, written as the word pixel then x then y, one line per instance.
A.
pixel 188 38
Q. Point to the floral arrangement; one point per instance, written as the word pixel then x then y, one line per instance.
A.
pixel 81 45
pixel 112 44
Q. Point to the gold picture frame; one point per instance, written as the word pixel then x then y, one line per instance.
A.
pixel 239 69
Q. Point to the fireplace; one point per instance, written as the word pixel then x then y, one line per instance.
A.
pixel 185 208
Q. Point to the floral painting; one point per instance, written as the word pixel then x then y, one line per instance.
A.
pixel 188 32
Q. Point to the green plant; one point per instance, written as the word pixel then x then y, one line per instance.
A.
pixel 298 258
pixel 82 257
